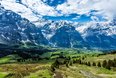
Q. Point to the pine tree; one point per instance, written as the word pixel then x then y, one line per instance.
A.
pixel 108 67
pixel 67 65
pixel 110 63
pixel 56 63
pixel 83 58
pixel 114 59
pixel 104 63
pixel 94 64
pixel 71 62
pixel 99 64
pixel 114 62
pixel 79 61
pixel 52 68
pixel 85 63
pixel 89 64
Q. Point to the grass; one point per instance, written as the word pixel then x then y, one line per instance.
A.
pixel 41 68
pixel 100 58
pixel 8 59
pixel 74 71
pixel 70 72
pixel 21 70
pixel 46 55
pixel 41 74
pixel 5 59
pixel 3 74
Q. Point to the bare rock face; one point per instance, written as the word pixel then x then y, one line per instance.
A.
pixel 68 37
pixel 15 29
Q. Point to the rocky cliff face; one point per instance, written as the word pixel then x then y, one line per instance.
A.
pixel 67 36
pixel 26 25
pixel 15 29
pixel 99 35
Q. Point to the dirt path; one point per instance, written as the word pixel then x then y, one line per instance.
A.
pixel 88 74
pixel 58 75
pixel 107 75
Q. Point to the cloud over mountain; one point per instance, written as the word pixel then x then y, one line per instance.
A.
pixel 103 9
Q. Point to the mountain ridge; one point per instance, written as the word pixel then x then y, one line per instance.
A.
pixel 98 35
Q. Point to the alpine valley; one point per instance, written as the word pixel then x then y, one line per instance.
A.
pixel 57 39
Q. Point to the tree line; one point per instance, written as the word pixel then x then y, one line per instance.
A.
pixel 68 61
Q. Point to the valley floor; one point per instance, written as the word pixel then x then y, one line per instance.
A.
pixel 9 68
pixel 43 71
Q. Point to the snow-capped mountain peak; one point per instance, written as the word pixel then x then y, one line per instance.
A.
pixel 92 34
pixel 23 8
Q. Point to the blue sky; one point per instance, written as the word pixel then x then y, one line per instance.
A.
pixel 77 10
pixel 72 10
pixel 70 17
pixel 54 2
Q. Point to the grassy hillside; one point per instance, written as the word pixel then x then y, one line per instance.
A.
pixel 58 63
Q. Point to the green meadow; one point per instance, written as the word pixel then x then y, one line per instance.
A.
pixel 61 63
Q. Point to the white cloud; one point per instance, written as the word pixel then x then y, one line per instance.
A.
pixel 40 7
pixel 106 8
pixel 76 6
pixel 94 18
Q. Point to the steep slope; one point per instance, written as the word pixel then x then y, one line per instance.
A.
pixel 99 35
pixel 68 37
pixel 15 29
pixel 50 27
pixel 25 8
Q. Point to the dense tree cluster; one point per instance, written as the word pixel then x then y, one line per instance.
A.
pixel 68 61
pixel 105 64
pixel 109 64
